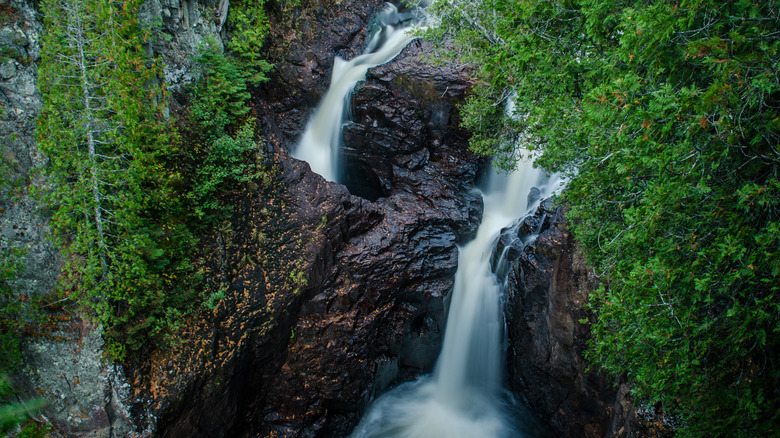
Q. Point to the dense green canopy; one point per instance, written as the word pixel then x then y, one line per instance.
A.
pixel 104 135
pixel 131 194
pixel 666 114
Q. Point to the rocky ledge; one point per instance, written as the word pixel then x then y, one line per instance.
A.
pixel 333 296
pixel 548 332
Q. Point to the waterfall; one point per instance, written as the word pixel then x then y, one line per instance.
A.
pixel 464 398
pixel 320 143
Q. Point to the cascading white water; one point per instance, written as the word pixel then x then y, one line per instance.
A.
pixel 320 143
pixel 463 398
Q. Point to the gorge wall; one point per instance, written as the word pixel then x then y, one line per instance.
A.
pixel 548 330
pixel 287 358
pixel 336 292
pixel 63 362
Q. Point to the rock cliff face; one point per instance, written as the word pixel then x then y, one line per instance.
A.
pixel 306 40
pixel 22 223
pixel 286 357
pixel 376 316
pixel 65 365
pixel 222 381
pixel 405 119
pixel 548 331
pixel 180 27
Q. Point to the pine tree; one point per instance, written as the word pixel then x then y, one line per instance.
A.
pixel 666 116
pixel 102 129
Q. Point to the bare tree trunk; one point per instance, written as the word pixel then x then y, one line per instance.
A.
pixel 222 11
pixel 78 37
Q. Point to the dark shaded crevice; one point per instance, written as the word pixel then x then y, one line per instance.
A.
pixel 361 180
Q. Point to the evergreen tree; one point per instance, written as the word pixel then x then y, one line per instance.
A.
pixel 102 129
pixel 666 115
pixel 223 137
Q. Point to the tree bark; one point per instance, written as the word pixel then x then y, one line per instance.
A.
pixel 78 39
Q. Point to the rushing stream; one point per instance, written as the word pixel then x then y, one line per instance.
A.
pixel 464 397
pixel 321 140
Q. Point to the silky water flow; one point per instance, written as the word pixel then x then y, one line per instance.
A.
pixel 321 141
pixel 464 397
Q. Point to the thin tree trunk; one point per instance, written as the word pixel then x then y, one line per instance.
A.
pixel 89 128
pixel 222 13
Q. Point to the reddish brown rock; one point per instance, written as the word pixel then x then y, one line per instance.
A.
pixel 333 296
pixel 305 41
pixel 376 316
pixel 548 333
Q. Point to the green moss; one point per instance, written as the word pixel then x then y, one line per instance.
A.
pixel 421 89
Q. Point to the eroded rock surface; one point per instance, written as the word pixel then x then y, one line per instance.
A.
pixel 548 332
pixel 306 41
pixel 405 122
pixel 333 296
pixel 378 315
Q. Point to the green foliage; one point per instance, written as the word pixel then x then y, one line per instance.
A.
pixel 7 53
pixel 129 196
pixel 298 279
pixel 665 115
pixel 114 210
pixel 12 312
pixel 223 155
pixel 215 297
pixel 14 413
pixel 15 312
pixel 250 28
pixel 33 429
pixel 220 98
pixel 226 153
pixel 229 162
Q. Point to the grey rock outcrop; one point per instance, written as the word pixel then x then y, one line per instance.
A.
pixel 85 396
pixel 21 223
pixel 180 28
pixel 66 366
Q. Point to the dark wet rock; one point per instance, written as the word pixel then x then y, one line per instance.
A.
pixel 218 383
pixel 377 316
pixel 201 387
pixel 289 358
pixel 405 135
pixel 307 43
pixel 512 240
pixel 280 358
pixel 548 333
